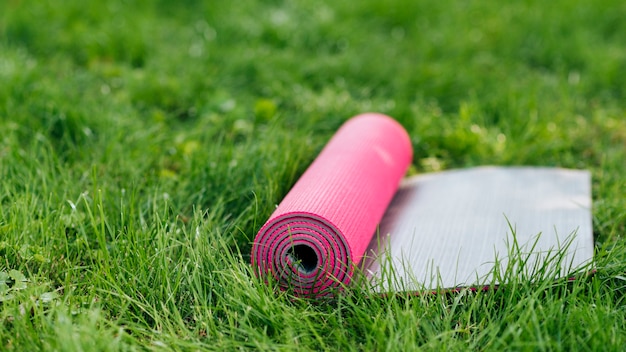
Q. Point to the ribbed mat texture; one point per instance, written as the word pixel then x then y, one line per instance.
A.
pixel 321 229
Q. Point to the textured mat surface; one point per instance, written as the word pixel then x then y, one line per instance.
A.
pixel 322 227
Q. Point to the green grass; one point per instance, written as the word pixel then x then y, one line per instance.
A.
pixel 143 143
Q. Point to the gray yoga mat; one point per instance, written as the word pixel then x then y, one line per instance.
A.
pixel 447 229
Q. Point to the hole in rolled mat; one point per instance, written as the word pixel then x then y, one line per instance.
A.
pixel 303 257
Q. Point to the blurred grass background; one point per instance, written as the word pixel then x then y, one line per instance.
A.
pixel 144 142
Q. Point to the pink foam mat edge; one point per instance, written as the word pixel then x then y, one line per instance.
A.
pixel 321 229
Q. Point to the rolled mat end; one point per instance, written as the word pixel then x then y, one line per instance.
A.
pixel 320 230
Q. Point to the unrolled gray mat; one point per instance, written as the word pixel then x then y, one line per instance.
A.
pixel 448 229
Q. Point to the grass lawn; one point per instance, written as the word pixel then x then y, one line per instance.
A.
pixel 143 143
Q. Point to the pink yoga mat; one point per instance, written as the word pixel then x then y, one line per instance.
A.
pixel 321 229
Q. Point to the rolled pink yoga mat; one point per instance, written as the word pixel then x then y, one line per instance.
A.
pixel 321 229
